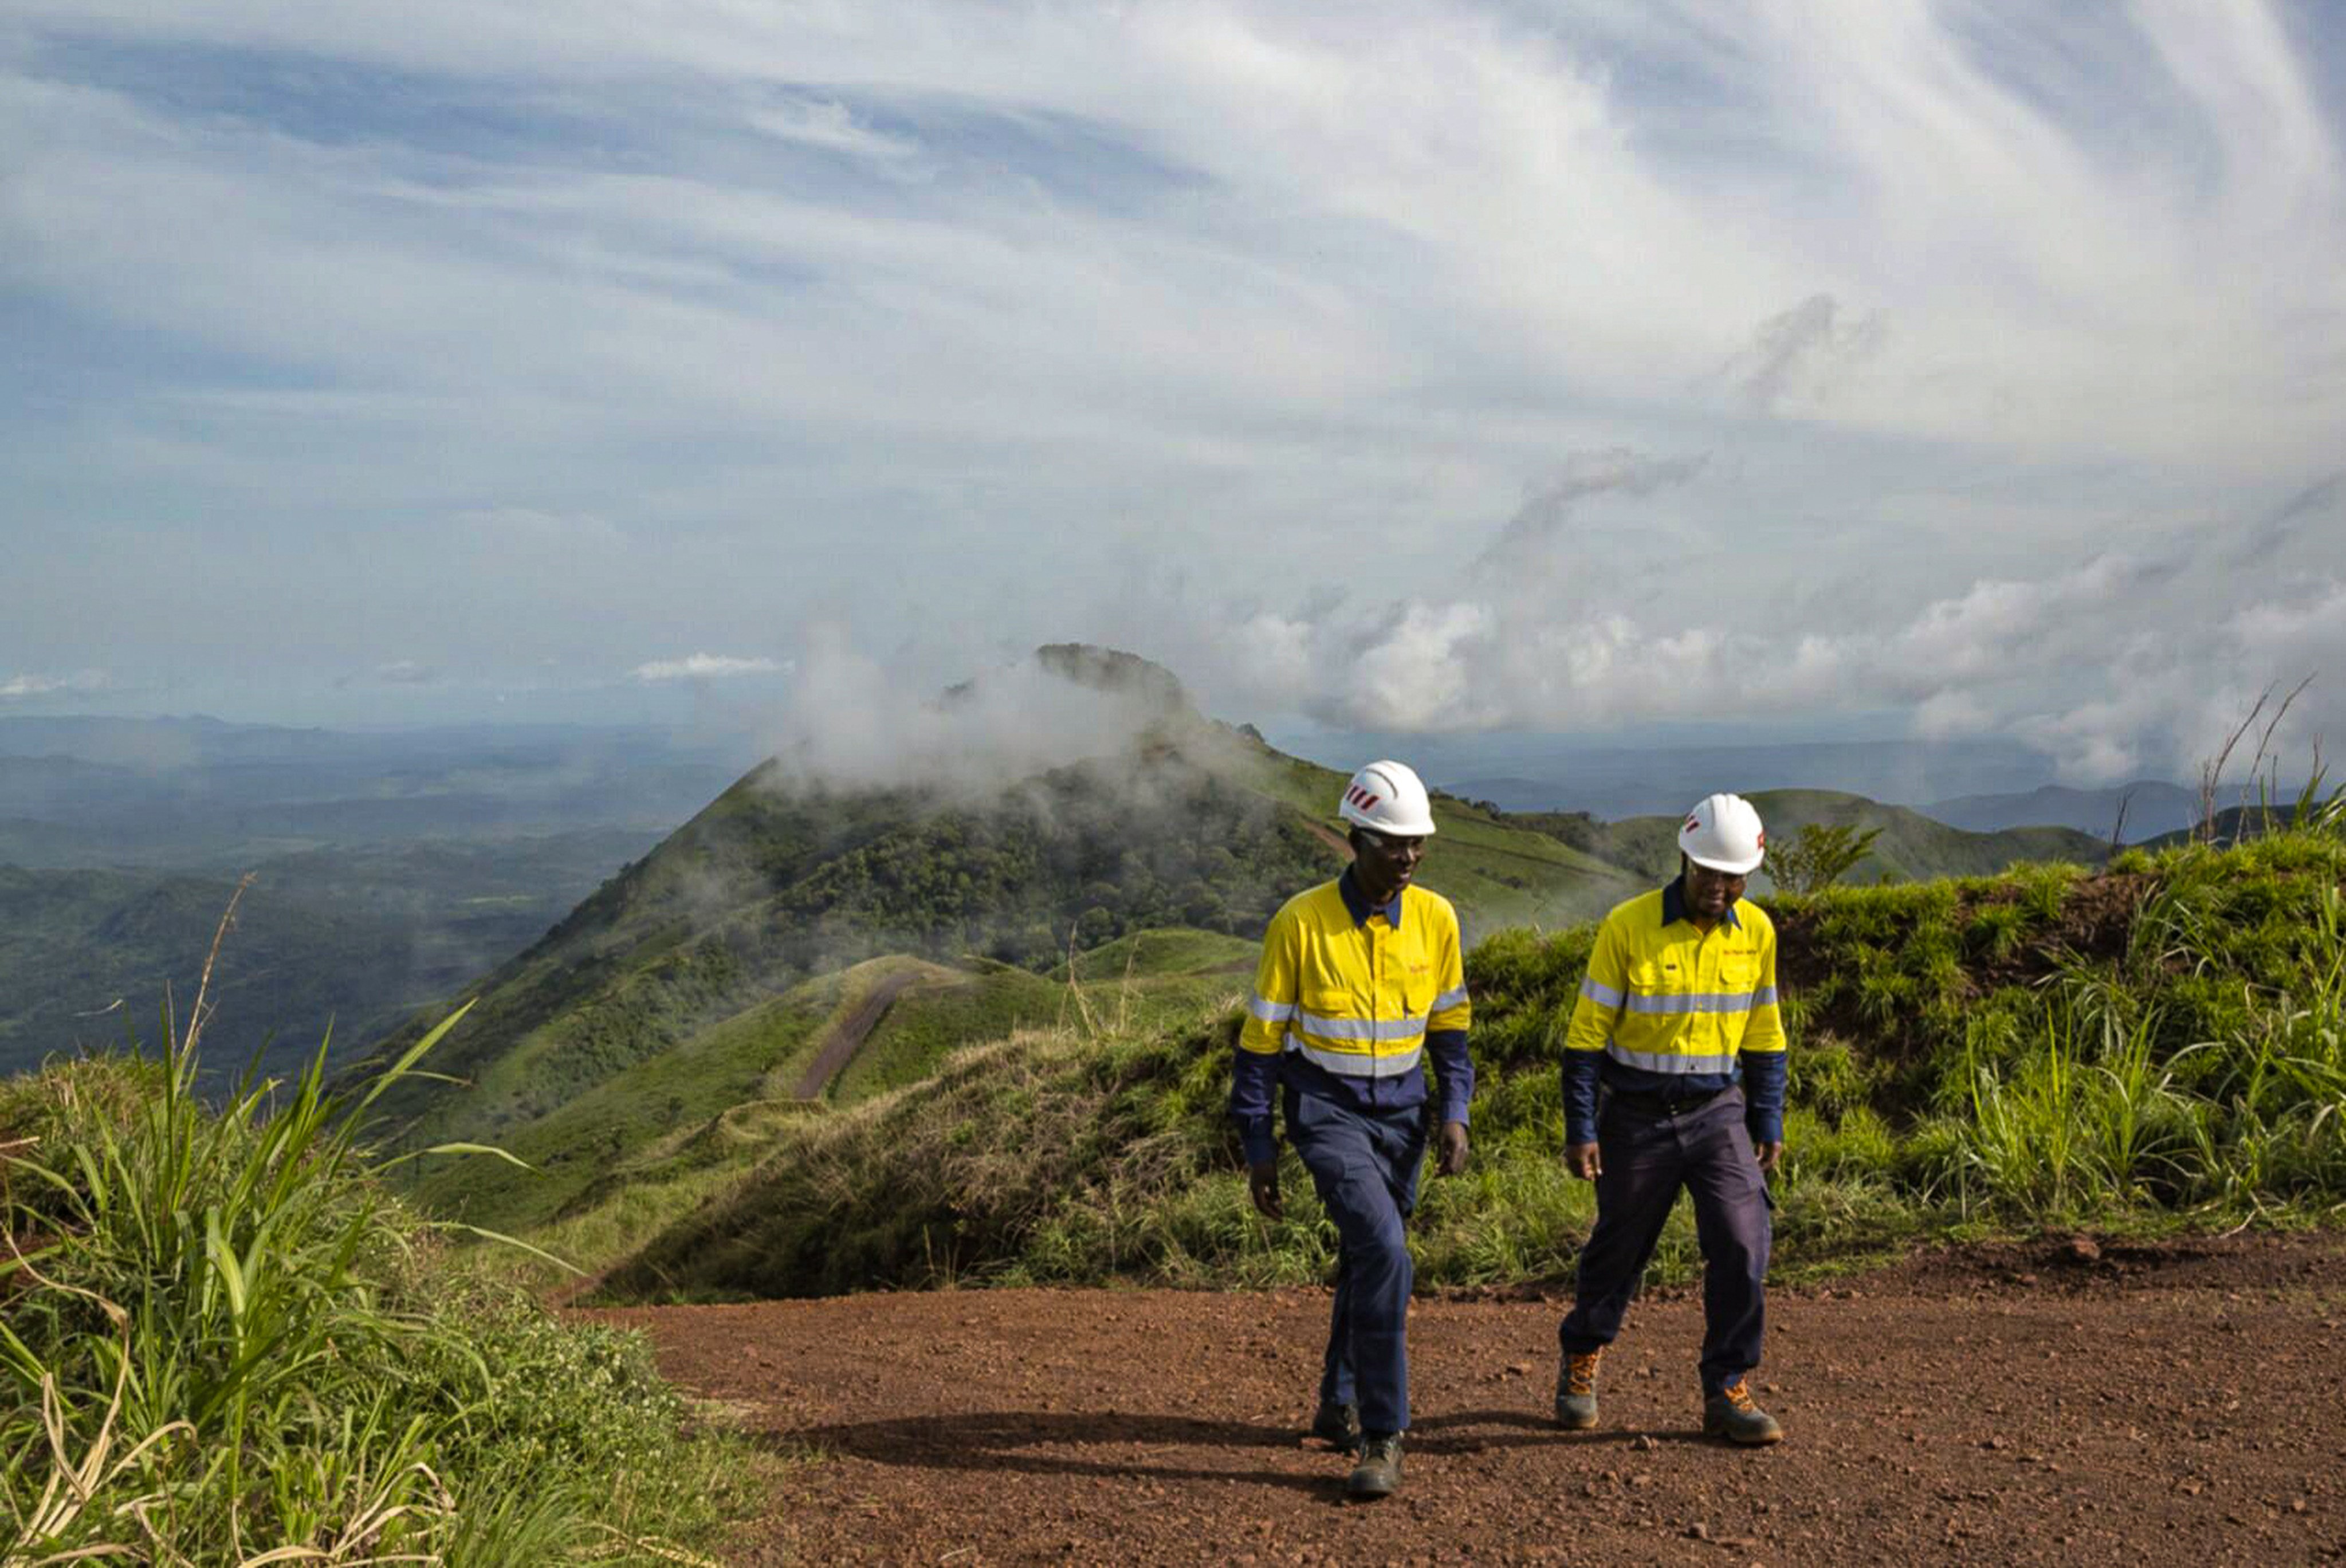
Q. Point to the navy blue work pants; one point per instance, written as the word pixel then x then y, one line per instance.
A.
pixel 1646 1158
pixel 1364 1166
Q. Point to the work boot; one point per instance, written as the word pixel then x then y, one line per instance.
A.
pixel 1730 1414
pixel 1338 1426
pixel 1379 1472
pixel 1575 1391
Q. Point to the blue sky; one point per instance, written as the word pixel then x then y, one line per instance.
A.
pixel 1407 366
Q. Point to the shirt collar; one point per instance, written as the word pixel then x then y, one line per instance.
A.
pixel 1356 902
pixel 1674 908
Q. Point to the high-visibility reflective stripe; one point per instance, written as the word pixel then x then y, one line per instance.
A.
pixel 1698 1002
pixel 1271 1012
pixel 1602 995
pixel 1359 1028
pixel 1358 1063
pixel 1450 999
pixel 1764 997
pixel 1670 1061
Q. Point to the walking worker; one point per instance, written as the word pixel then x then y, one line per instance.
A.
pixel 1674 1077
pixel 1361 986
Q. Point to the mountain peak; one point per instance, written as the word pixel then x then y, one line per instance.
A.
pixel 1114 670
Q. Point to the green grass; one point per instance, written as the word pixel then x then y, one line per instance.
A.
pixel 717 1101
pixel 630 1119
pixel 226 1343
pixel 1168 950
pixel 927 1022
pixel 2160 1046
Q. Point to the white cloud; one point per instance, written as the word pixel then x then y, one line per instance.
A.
pixel 831 126
pixel 704 666
pixel 31 685
pixel 849 721
pixel 1822 353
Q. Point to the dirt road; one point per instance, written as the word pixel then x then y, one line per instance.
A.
pixel 847 1036
pixel 2061 1403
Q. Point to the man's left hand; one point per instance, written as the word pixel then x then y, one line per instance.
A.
pixel 1768 1154
pixel 1451 1159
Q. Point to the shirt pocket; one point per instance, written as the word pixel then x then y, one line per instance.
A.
pixel 1738 971
pixel 1332 1003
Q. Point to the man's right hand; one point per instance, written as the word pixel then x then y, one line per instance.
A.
pixel 1262 1186
pixel 1581 1160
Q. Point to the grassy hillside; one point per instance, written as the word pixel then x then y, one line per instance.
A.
pixel 1912 847
pixel 714 1103
pixel 1193 828
pixel 2162 1044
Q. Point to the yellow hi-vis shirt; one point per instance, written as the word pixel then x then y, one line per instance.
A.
pixel 1662 997
pixel 1355 998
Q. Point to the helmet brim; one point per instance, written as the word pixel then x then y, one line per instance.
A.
pixel 1419 829
pixel 1732 868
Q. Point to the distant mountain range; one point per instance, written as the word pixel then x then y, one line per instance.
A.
pixel 2151 808
pixel 1545 773
pixel 1911 847
pixel 202 795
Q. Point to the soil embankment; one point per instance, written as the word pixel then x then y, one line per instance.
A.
pixel 2060 1404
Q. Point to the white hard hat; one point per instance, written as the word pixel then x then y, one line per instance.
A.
pixel 1723 833
pixel 1388 797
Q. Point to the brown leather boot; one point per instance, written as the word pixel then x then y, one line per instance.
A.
pixel 1730 1414
pixel 1576 1391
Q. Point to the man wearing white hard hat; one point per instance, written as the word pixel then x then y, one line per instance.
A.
pixel 1361 989
pixel 1674 1078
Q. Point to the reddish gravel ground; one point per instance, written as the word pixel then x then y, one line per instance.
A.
pixel 2063 1403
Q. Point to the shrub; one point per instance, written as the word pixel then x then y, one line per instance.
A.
pixel 225 1342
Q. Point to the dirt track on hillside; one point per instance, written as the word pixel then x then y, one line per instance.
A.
pixel 847 1036
pixel 2171 1404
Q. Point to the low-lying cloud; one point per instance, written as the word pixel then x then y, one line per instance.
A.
pixel 848 721
pixel 33 684
pixel 705 666
pixel 2133 659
